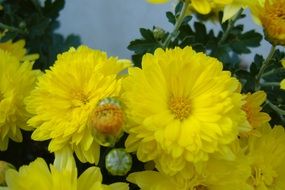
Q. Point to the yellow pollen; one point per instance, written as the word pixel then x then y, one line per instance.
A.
pixel 180 107
pixel 81 97
pixel 108 119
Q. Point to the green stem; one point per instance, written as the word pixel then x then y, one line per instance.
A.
pixel 268 84
pixel 275 108
pixel 264 66
pixel 177 25
pixel 231 24
pixel 274 71
pixel 11 28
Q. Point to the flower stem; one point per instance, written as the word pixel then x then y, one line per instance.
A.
pixel 177 25
pixel 268 84
pixel 274 71
pixel 231 24
pixel 275 108
pixel 11 28
pixel 264 66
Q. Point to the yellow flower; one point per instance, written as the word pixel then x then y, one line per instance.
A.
pixel 201 6
pixel 183 107
pixel 205 6
pixel 157 1
pixel 16 82
pixel 270 14
pixel 216 174
pixel 18 50
pixel 231 9
pixel 252 107
pixel 267 154
pixel 66 98
pixel 61 175
pixel 4 166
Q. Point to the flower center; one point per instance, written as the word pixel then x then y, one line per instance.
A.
pixel 276 10
pixel 108 119
pixel 200 187
pixel 180 107
pixel 273 21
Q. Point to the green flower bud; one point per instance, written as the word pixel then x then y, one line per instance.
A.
pixel 158 33
pixel 118 162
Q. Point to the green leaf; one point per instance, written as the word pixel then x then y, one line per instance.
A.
pixel 147 34
pixel 142 46
pixel 171 17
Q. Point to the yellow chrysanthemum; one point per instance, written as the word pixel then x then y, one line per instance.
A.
pixel 16 82
pixel 183 106
pixel 18 50
pixel 271 15
pixel 267 154
pixel 215 174
pixel 61 175
pixel 66 100
pixel 252 107
pixel 201 6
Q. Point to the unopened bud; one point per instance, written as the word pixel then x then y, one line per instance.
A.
pixel 4 166
pixel 158 33
pixel 118 162
pixel 107 121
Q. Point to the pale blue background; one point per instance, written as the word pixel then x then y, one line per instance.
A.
pixel 110 25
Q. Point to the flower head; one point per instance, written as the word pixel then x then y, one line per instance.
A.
pixel 252 107
pixel 267 154
pixel 65 102
pixel 61 175
pixel 183 107
pixel 216 174
pixel 18 50
pixel 271 15
pixel 16 82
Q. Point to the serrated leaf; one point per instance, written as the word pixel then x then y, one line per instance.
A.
pixel 147 34
pixel 251 38
pixel 255 66
pixel 52 8
pixel 142 46
pixel 178 8
pixel 171 18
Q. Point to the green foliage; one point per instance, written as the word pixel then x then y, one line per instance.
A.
pixel 29 20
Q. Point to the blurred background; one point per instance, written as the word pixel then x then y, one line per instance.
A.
pixel 110 25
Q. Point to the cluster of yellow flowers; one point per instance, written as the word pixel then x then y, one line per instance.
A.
pixel 182 112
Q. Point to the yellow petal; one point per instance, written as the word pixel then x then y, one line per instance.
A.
pixel 157 1
pixel 202 6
